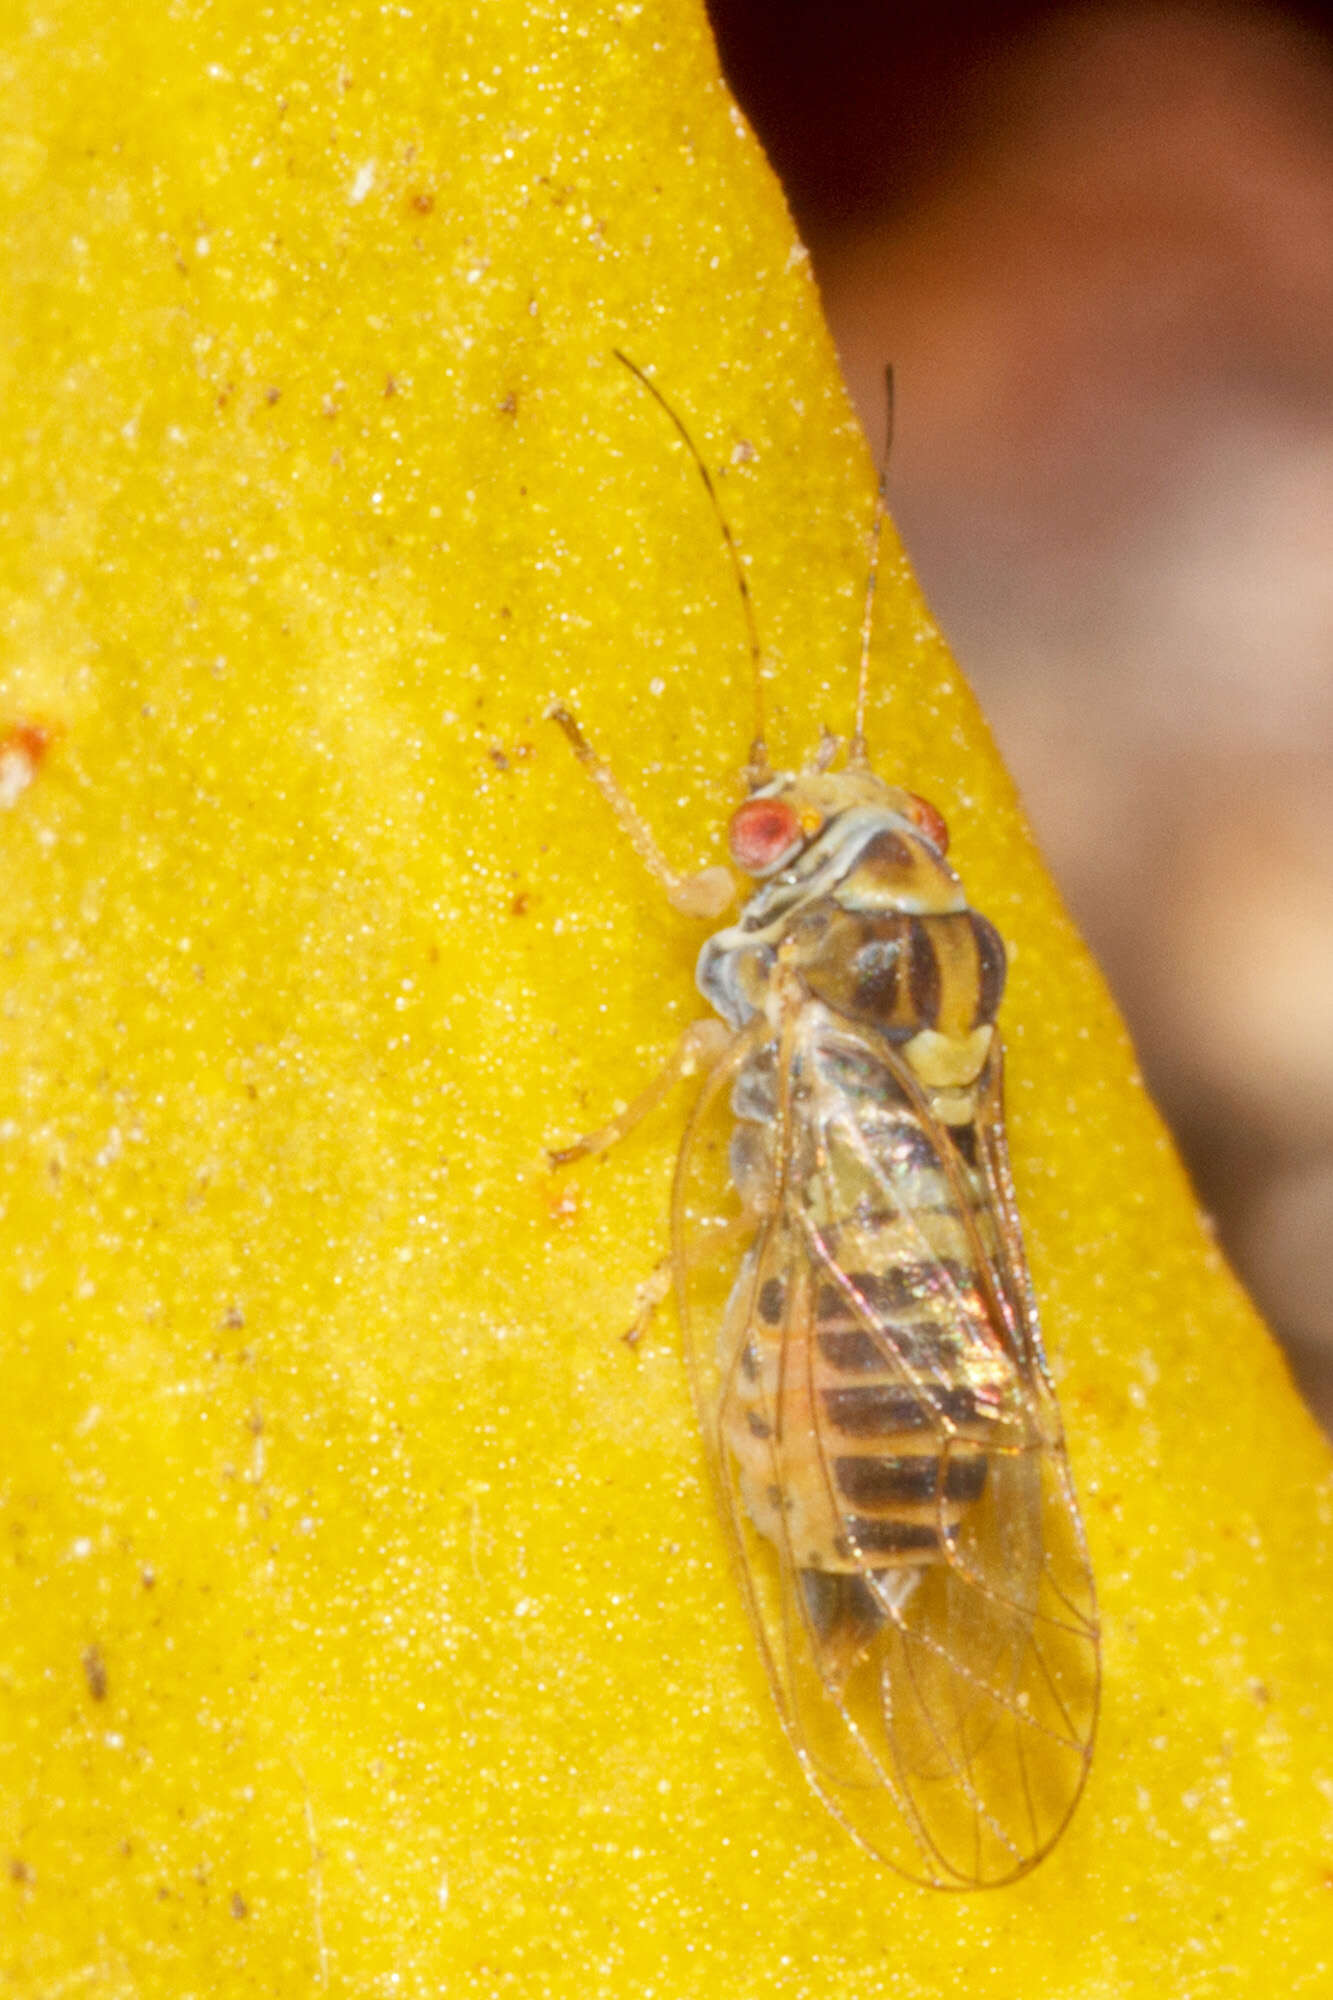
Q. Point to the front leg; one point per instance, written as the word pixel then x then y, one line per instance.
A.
pixel 705 895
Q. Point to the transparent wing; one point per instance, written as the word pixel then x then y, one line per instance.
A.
pixel 888 1453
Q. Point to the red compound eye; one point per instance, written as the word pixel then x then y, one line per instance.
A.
pixel 929 820
pixel 761 833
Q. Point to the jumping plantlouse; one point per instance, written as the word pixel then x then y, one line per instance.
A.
pixel 864 1343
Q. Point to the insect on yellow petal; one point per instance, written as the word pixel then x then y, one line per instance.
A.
pixel 366 1626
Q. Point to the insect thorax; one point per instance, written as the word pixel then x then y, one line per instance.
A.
pixel 870 920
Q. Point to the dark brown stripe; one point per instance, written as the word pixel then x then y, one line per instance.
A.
pixel 895 1482
pixel 965 1140
pixel 889 848
pixel 897 1290
pixel 885 1410
pixel 965 1478
pixel 875 979
pixel 887 1538
pixel 920 1345
pixel 924 977
pixel 992 964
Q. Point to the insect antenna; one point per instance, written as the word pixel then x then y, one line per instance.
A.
pixel 856 749
pixel 757 770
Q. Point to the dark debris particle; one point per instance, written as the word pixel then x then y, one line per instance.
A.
pixel 94 1672
pixel 239 1907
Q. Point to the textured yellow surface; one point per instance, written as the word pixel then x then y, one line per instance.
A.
pixel 365 1624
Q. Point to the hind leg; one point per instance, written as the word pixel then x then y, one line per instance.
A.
pixel 702 1046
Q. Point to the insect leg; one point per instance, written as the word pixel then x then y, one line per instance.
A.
pixel 657 1285
pixel 706 894
pixel 703 1044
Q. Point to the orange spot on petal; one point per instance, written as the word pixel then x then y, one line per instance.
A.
pixel 23 745
pixel 563 1203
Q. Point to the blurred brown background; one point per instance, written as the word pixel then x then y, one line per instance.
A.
pixel 1097 244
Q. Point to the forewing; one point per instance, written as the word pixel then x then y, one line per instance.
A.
pixel 934 1658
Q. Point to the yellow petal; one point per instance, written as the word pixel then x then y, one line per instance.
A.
pixel 365 1624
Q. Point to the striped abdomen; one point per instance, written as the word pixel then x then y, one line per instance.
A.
pixel 869 1381
pixel 871 1440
